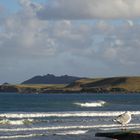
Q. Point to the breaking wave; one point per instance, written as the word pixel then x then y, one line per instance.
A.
pixel 21 136
pixel 16 122
pixel 91 104
pixel 100 126
pixel 70 132
pixel 73 132
pixel 63 114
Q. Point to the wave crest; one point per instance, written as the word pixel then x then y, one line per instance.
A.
pixel 99 126
pixel 16 122
pixel 73 132
pixel 21 136
pixel 91 104
pixel 63 114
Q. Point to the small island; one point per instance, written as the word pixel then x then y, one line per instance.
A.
pixel 70 84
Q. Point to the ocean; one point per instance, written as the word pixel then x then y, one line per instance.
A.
pixel 64 116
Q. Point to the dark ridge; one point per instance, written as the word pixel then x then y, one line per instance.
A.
pixel 51 79
pixel 106 82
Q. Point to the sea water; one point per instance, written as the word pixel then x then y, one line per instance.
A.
pixel 64 116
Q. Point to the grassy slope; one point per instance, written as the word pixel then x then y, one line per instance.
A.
pixel 40 86
pixel 130 84
pixel 127 83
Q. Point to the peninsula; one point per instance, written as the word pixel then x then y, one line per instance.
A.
pixel 71 84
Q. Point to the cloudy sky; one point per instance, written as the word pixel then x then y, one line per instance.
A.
pixel 95 38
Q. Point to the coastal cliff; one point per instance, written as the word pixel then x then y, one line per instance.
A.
pixel 86 85
pixel 113 84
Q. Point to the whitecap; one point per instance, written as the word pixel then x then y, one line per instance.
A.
pixel 72 132
pixel 21 136
pixel 100 126
pixel 16 122
pixel 91 104
pixel 66 114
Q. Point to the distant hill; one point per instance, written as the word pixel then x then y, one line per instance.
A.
pixel 69 84
pixel 113 84
pixel 51 79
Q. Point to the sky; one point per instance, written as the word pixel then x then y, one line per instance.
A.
pixel 88 38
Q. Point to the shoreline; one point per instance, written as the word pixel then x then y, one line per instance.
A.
pixel 113 85
pixel 45 90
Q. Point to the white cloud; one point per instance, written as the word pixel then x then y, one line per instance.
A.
pixel 76 47
pixel 130 22
pixel 90 9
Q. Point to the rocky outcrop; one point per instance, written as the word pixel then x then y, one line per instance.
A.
pixel 122 135
pixel 8 88
pixel 27 90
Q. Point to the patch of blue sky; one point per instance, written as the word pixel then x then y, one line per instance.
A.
pixel 114 22
pixel 118 22
pixel 40 1
pixel 10 6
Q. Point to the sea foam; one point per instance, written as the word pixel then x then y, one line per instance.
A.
pixel 77 132
pixel 16 122
pixel 65 114
pixel 73 132
pixel 100 126
pixel 21 136
pixel 91 104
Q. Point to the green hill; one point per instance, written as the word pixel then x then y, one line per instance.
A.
pixel 113 84
pixel 91 85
